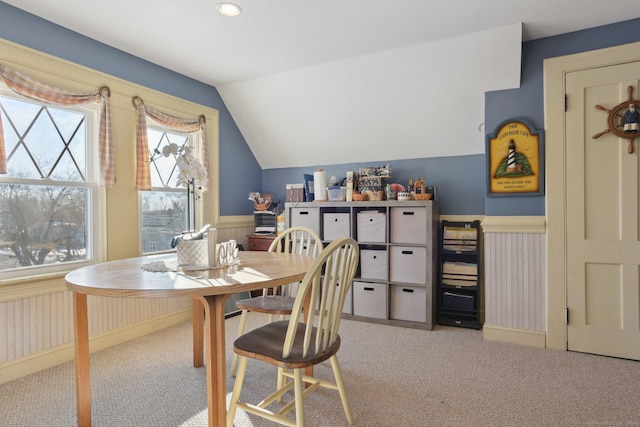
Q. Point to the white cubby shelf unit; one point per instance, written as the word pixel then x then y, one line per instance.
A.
pixel 396 279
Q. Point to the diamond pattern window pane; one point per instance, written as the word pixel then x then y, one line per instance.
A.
pixel 163 169
pixel 44 141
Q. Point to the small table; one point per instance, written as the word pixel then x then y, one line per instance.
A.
pixel 209 290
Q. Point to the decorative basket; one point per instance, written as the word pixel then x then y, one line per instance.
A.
pixel 360 197
pixel 193 253
pixel 420 192
pixel 376 195
pixel 425 196
pixel 265 205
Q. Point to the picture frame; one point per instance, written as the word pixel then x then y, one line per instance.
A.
pixel 515 159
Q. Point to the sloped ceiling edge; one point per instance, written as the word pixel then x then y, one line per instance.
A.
pixel 425 100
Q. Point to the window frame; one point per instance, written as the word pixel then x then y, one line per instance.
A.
pixel 95 208
pixel 193 138
pixel 120 231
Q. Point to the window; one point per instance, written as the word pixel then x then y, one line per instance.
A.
pixel 164 209
pixel 50 192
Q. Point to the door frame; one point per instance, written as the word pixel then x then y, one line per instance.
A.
pixel 555 70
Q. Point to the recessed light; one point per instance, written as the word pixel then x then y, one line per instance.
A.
pixel 229 9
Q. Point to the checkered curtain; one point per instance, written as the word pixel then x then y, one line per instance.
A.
pixel 176 124
pixel 42 92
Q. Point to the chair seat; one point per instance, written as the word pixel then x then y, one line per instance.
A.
pixel 266 343
pixel 272 304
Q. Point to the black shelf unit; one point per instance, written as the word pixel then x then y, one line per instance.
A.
pixel 458 275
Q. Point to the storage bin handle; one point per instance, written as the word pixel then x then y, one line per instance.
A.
pixel 407 213
pixel 368 289
pixel 407 290
pixel 407 252
pixel 303 213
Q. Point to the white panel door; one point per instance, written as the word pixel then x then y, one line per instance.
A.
pixel 603 245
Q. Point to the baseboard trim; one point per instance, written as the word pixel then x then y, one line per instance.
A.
pixel 514 336
pixel 27 365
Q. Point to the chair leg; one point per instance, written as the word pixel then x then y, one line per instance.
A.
pixel 243 322
pixel 299 388
pixel 280 382
pixel 237 388
pixel 337 373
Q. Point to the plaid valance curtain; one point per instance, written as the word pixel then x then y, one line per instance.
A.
pixel 42 92
pixel 176 124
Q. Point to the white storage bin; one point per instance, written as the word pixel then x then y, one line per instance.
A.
pixel 336 225
pixel 305 217
pixel 373 264
pixel 372 226
pixel 408 303
pixel 408 225
pixel 408 264
pixel 370 299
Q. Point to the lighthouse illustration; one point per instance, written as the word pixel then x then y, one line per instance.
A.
pixel 514 164
pixel 511 157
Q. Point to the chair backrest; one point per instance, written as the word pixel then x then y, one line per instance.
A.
pixel 326 284
pixel 295 240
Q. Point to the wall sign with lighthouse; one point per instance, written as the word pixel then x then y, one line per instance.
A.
pixel 515 160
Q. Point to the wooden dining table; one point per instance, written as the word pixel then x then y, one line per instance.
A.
pixel 209 290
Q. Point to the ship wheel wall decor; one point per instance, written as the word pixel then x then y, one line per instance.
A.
pixel 622 120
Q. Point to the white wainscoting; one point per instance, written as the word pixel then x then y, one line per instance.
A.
pixel 36 320
pixel 515 279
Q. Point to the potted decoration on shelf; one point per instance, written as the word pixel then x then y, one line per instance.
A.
pixel 192 175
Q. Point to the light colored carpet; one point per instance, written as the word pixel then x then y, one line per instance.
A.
pixel 394 377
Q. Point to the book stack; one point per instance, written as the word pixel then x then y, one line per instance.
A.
pixel 459 274
pixel 460 239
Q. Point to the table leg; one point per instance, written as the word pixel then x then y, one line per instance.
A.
pixel 83 380
pixel 215 358
pixel 198 333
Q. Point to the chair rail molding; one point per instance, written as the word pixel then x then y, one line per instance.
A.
pixel 514 224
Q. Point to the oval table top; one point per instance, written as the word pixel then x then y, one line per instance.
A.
pixel 127 278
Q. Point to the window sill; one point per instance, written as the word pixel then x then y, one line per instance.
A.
pixel 25 287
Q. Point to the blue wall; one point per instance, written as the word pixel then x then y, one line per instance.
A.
pixel 460 181
pixel 528 101
pixel 456 192
pixel 240 173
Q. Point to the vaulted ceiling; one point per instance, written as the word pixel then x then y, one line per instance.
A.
pixel 326 82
